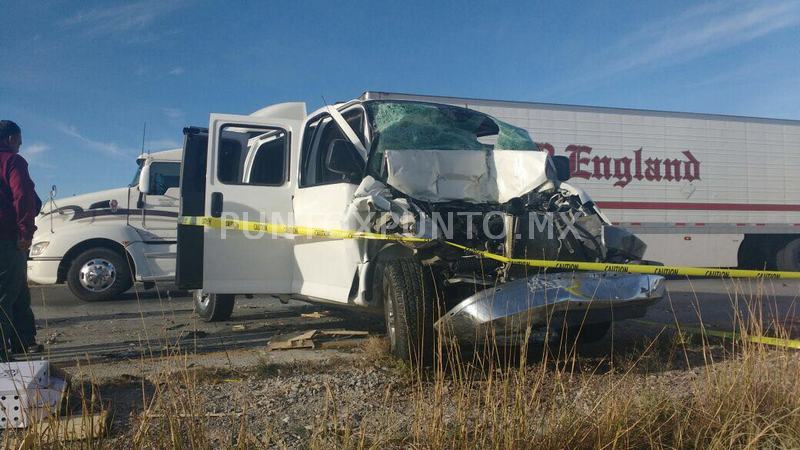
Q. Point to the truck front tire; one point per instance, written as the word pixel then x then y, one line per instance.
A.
pixel 99 274
pixel 408 300
pixel 213 307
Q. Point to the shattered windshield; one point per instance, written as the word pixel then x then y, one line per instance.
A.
pixel 402 125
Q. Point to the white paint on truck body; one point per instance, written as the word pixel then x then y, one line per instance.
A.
pixel 143 224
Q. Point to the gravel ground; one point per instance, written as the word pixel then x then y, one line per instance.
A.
pixel 288 400
pixel 274 403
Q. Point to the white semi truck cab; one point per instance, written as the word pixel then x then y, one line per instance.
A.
pixel 101 242
pixel 269 201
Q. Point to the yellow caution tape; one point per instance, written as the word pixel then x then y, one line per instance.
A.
pixel 243 225
pixel 767 340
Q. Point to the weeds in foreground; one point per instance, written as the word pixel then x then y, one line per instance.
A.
pixel 752 401
pixel 679 390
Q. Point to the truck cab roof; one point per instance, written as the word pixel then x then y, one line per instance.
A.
pixel 166 155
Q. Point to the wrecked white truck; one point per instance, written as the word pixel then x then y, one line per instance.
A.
pixel 394 206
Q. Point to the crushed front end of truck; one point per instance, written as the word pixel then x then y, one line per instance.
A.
pixel 474 198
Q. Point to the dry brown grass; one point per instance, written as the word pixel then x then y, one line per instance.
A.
pixel 680 390
pixel 749 401
pixel 671 392
pixel 376 348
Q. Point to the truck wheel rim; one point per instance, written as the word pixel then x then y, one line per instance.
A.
pixel 388 299
pixel 202 299
pixel 97 275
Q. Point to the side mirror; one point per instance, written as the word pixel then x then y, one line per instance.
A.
pixel 344 159
pixel 561 164
pixel 53 191
pixel 144 179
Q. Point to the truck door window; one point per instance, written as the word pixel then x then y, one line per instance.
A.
pixel 253 155
pixel 164 175
pixel 319 135
pixel 269 161
pixel 230 154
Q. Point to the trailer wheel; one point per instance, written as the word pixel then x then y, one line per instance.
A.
pixel 99 274
pixel 788 258
pixel 408 300
pixel 213 307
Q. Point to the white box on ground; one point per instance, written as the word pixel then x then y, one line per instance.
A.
pixel 28 393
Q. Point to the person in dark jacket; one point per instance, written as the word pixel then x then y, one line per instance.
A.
pixel 19 206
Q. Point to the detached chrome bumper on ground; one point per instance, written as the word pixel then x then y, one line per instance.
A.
pixel 506 311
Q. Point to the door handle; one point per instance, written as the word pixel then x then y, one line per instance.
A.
pixel 216 204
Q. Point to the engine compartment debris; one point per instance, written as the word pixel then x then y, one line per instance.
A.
pixel 445 173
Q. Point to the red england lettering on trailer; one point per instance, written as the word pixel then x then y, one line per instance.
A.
pixel 624 169
pixel 653 171
pixel 672 170
pixel 691 169
pixel 637 155
pixel 602 167
pixel 576 162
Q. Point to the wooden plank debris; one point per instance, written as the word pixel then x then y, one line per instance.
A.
pixel 65 429
pixel 313 339
pixel 316 314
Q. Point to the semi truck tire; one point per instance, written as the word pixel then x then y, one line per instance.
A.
pixel 213 307
pixel 788 258
pixel 99 274
pixel 408 300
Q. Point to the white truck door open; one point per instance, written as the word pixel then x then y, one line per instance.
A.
pixel 248 178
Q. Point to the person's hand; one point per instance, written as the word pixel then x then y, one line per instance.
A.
pixel 24 244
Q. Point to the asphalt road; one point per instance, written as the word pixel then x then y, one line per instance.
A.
pixel 161 320
pixel 155 321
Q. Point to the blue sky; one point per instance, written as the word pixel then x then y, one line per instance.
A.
pixel 81 78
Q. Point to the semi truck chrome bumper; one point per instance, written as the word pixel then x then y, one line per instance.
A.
pixel 512 310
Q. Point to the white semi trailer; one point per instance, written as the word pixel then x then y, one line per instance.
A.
pixel 699 189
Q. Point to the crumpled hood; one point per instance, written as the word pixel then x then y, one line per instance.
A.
pixel 475 176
